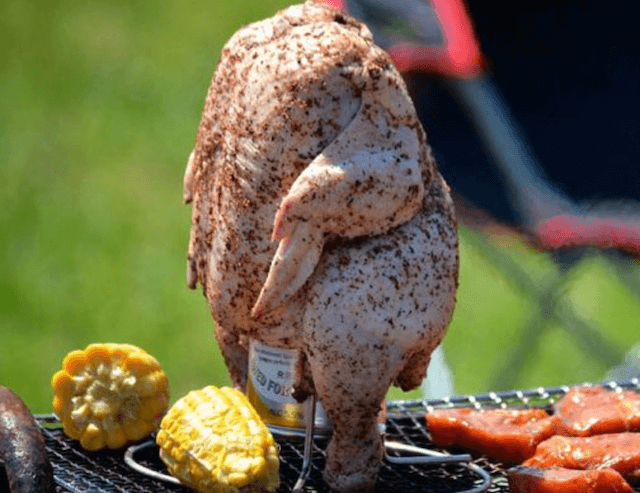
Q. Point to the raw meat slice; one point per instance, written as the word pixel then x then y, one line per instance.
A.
pixel 561 480
pixel 619 451
pixel 587 411
pixel 508 436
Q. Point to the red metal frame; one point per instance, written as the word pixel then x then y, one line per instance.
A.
pixel 460 56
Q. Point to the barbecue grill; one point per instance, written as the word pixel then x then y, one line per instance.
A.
pixel 79 471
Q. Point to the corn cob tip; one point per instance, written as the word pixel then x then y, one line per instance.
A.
pixel 109 394
pixel 214 441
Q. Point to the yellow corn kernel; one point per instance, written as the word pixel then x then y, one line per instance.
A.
pixel 62 384
pixel 146 385
pixel 93 438
pixel 71 429
pixel 142 362
pixel 99 401
pixel 97 354
pixel 137 430
pixel 74 362
pixel 150 408
pixel 214 441
pixel 58 405
pixel 116 437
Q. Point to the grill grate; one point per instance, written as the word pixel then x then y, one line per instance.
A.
pixel 79 471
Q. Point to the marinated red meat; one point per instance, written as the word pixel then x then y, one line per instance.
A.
pixel 587 411
pixel 561 480
pixel 508 436
pixel 619 451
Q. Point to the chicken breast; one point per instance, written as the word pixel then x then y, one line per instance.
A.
pixel 320 221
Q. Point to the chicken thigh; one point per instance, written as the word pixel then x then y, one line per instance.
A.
pixel 320 221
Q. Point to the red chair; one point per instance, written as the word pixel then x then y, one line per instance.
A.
pixel 437 37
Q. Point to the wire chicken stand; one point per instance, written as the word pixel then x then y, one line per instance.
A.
pixel 422 456
pixel 396 453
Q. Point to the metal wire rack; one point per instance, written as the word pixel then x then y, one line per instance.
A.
pixel 79 471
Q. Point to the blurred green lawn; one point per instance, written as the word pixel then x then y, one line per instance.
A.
pixel 99 105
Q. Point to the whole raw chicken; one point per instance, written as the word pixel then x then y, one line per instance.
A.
pixel 320 221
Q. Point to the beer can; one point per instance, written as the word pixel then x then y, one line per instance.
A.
pixel 269 388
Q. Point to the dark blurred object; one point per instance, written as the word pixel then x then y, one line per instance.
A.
pixel 547 138
pixel 570 71
pixel 22 448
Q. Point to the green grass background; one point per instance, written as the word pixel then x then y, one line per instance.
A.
pixel 99 105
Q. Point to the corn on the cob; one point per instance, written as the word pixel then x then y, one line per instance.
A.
pixel 109 394
pixel 214 441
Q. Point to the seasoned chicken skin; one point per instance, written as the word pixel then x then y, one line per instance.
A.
pixel 320 221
